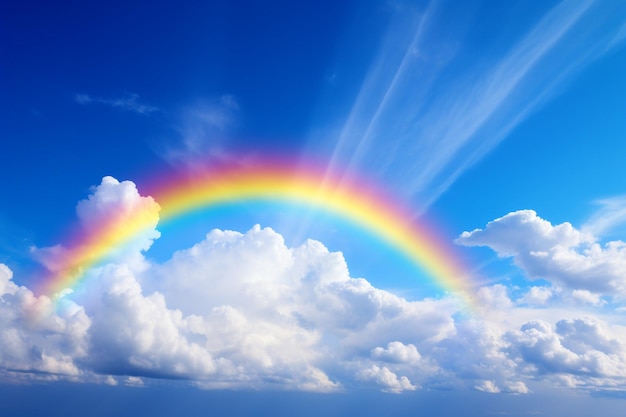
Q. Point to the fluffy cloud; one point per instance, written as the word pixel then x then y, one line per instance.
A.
pixel 488 386
pixel 387 379
pixel 538 296
pixel 582 348
pixel 244 310
pixel 273 309
pixel 397 352
pixel 113 206
pixel 35 339
pixel 116 204
pixel 561 254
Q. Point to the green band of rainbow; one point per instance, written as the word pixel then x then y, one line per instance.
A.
pixel 358 200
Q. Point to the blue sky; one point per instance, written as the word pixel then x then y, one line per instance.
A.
pixel 501 122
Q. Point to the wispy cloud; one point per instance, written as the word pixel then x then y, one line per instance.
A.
pixel 129 102
pixel 417 120
pixel 611 215
pixel 203 133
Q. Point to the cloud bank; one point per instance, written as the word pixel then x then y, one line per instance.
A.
pixel 244 310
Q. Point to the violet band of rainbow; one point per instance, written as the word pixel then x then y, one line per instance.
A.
pixel 356 199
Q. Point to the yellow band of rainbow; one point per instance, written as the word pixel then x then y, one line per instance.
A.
pixel 356 199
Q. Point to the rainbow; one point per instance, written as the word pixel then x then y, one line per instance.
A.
pixel 356 199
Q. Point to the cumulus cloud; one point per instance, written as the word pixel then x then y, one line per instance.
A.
pixel 587 297
pixel 537 296
pixel 114 206
pixel 278 309
pixel 35 339
pixel 118 204
pixel 244 310
pixel 476 353
pixel 397 352
pixel 487 386
pixel 561 254
pixel 583 348
pixel 496 296
pixel 387 379
pixel 137 335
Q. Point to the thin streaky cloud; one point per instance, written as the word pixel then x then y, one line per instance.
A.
pixel 409 125
pixel 203 134
pixel 611 215
pixel 129 102
pixel 381 83
pixel 471 110
pixel 529 91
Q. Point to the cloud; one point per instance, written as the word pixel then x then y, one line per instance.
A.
pixel 387 379
pixel 488 386
pixel 580 347
pixel 561 254
pixel 587 297
pixel 133 334
pixel 410 120
pixel 495 296
pixel 35 340
pixel 268 307
pixel 130 102
pixel 112 205
pixel 203 133
pixel 611 215
pixel 244 310
pixel 397 352
pixel 537 296
pixel 122 202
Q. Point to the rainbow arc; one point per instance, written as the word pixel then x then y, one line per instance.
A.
pixel 355 199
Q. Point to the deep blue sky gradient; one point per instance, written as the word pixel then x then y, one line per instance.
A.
pixel 296 71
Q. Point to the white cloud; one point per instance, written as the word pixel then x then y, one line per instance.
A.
pixel 475 353
pixel 130 102
pixel 560 254
pixel 387 379
pixel 83 98
pixel 513 387
pixel 537 296
pixel 244 310
pixel 204 134
pixel 397 352
pixel 496 296
pixel 113 206
pixel 587 297
pixel 257 314
pixel 133 381
pixel 278 308
pixel 118 204
pixel 488 386
pixel 581 347
pixel 132 334
pixel 411 122
pixel 612 215
pixel 517 387
pixel 34 338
